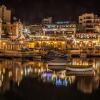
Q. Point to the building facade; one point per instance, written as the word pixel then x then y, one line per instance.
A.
pixel 59 29
pixel 16 30
pixel 35 29
pixel 86 39
pixel 5 14
pixel 47 20
pixel 88 21
pixel 13 30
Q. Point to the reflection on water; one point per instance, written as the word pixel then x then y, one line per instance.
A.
pixel 88 84
pixel 16 69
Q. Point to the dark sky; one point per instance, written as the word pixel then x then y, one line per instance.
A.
pixel 31 11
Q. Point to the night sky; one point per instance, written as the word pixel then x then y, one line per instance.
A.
pixel 32 11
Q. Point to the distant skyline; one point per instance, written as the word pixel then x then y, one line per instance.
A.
pixel 32 11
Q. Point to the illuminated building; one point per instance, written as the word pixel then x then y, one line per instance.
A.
pixel 86 39
pixel 35 29
pixel 0 27
pixel 6 30
pixel 53 29
pixel 59 29
pixel 12 30
pixel 47 20
pixel 88 21
pixel 16 29
pixel 97 28
pixel 5 14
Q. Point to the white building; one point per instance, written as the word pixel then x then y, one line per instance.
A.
pixel 47 20
pixel 35 29
pixel 88 21
pixel 60 29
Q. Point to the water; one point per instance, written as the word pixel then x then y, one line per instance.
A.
pixel 19 77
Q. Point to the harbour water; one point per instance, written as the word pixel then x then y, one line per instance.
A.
pixel 28 79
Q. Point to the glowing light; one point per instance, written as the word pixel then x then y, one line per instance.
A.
pixel 58 82
pixel 4 43
pixel 63 42
pixel 3 70
pixel 10 74
pixel 48 38
pixel 35 70
pixel 22 72
pixel 55 42
pixel 42 69
pixel 21 42
pixel 0 83
pixel 0 72
pixel 42 37
pixel 65 82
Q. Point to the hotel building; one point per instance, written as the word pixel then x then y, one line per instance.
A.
pixel 47 20
pixel 88 21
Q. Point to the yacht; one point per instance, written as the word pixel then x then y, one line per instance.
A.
pixel 57 63
pixel 79 68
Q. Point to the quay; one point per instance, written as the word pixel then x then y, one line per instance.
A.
pixel 40 45
pixel 17 54
pixel 40 54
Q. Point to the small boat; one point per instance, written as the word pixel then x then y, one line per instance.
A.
pixel 57 63
pixel 64 56
pixel 80 68
pixel 80 73
pixel 55 54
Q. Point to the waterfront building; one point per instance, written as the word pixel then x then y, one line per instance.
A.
pixel 13 30
pixel 35 29
pixel 16 30
pixel 0 27
pixel 5 14
pixel 86 40
pixel 97 28
pixel 5 30
pixel 8 45
pixel 59 29
pixel 47 20
pixel 88 21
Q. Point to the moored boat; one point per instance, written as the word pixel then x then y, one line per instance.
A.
pixel 81 68
pixel 57 63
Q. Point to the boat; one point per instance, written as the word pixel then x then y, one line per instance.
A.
pixel 54 54
pixel 85 70
pixel 57 63
pixel 80 73
pixel 64 56
pixel 80 68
